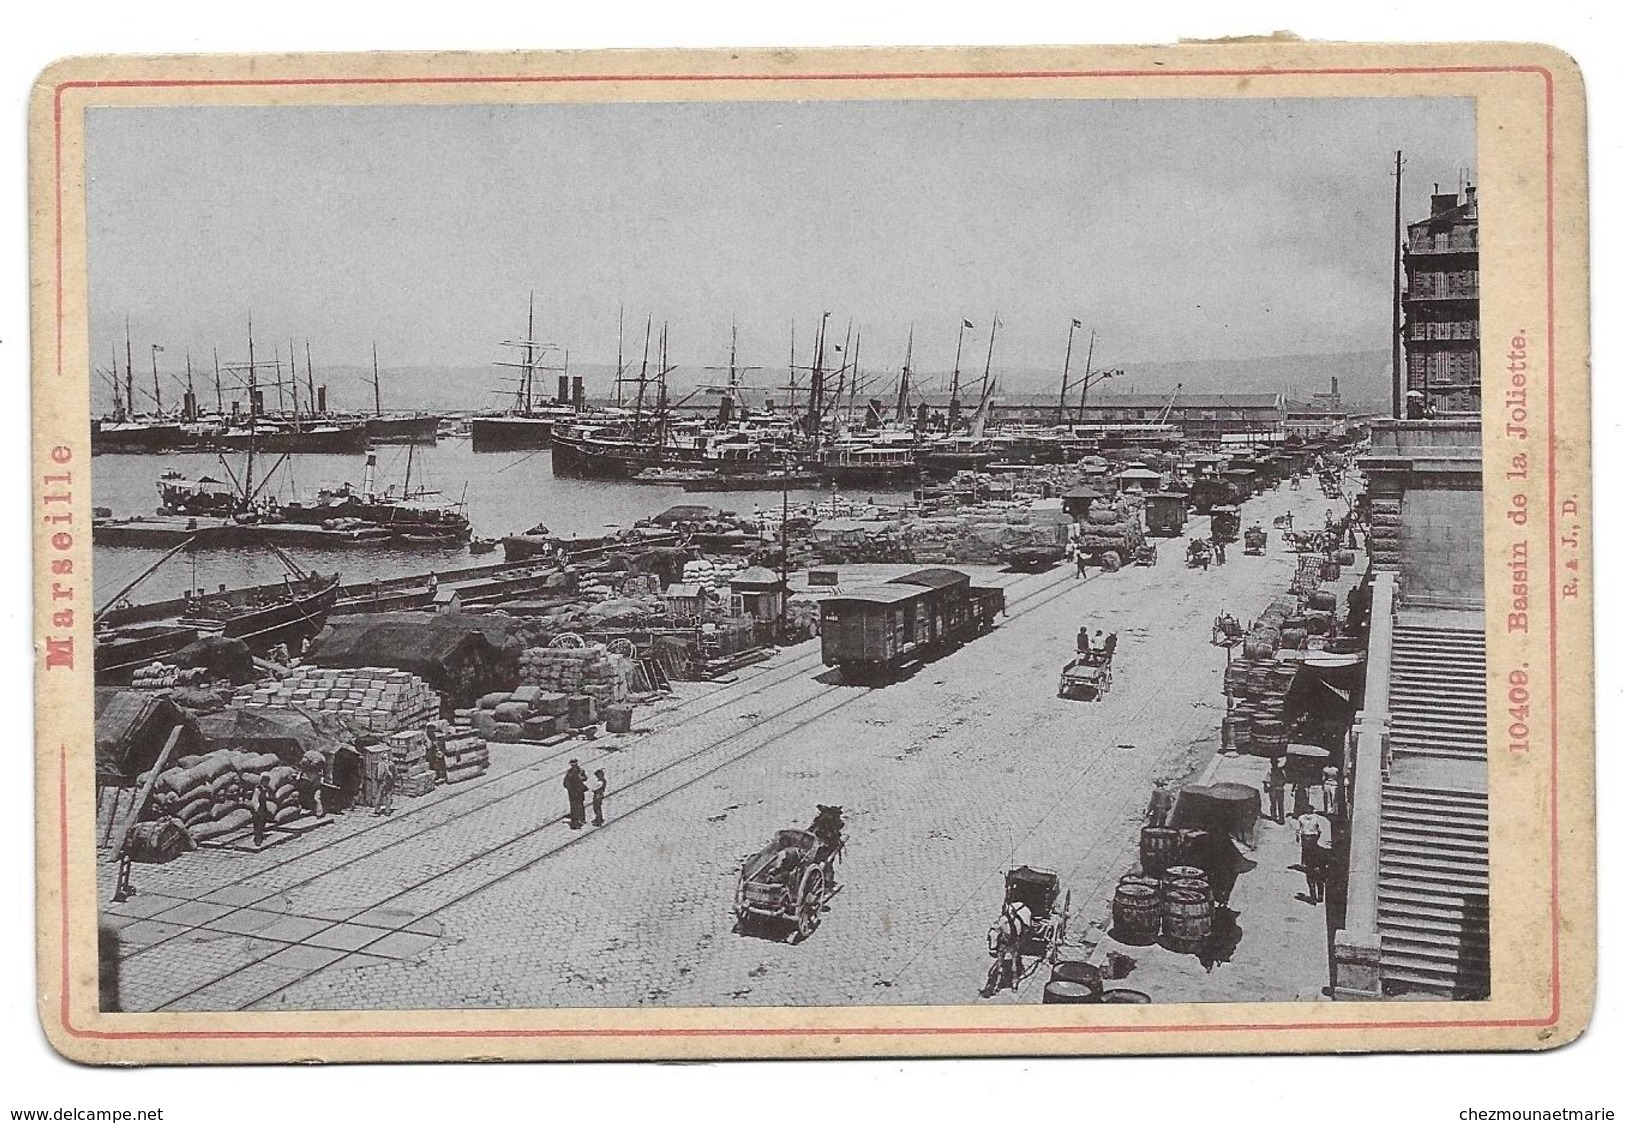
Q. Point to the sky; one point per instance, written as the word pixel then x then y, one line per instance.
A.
pixel 1176 229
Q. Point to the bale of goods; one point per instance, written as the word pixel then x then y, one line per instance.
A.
pixel 1345 557
pixel 213 787
pixel 511 712
pixel 618 718
pixel 492 701
pixel 1293 639
pixel 1322 601
pixel 1320 623
pixel 1330 571
pixel 1136 914
pixel 538 728
pixel 581 711
pixel 1159 849
pixel 1187 919
pixel 166 676
pixel 158 842
pixel 507 732
pixel 485 722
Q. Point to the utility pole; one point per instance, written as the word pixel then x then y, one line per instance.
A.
pixel 1399 375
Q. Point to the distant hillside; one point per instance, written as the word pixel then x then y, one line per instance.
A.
pixel 1362 377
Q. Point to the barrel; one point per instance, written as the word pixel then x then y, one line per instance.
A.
pixel 1136 914
pixel 1187 919
pixel 1235 675
pixel 1261 643
pixel 1182 873
pixel 1124 996
pixel 1330 571
pixel 1152 882
pixel 1345 557
pixel 1323 601
pixel 1158 849
pixel 1258 679
pixel 1076 971
pixel 1064 992
pixel 1241 731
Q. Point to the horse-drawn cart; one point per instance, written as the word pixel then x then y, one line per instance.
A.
pixel 1198 553
pixel 1031 924
pixel 1254 541
pixel 792 878
pixel 1087 678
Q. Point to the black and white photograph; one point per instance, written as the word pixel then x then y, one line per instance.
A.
pixel 794 553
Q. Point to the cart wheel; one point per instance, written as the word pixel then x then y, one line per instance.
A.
pixel 811 903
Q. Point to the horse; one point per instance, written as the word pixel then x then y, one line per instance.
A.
pixel 1004 940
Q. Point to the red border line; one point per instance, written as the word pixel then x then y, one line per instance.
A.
pixel 869 1031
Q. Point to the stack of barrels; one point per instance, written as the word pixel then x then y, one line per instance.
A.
pixel 1256 722
pixel 1175 902
pixel 1187 908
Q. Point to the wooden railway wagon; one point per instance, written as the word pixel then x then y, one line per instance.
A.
pixel 908 619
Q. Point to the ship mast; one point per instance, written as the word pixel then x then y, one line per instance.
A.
pixel 643 378
pixel 253 416
pixel 219 396
pixel 293 381
pixel 377 394
pixel 1066 371
pixel 953 387
pixel 191 394
pixel 902 383
pixel 310 379
pixel 129 371
pixel 620 361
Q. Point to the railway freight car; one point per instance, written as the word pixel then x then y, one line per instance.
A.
pixel 909 619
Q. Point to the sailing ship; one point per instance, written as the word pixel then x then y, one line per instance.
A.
pixel 531 421
pixel 405 515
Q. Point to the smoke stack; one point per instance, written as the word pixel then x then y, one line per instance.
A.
pixel 321 399
pixel 259 402
pixel 578 391
pixel 564 389
pixel 367 477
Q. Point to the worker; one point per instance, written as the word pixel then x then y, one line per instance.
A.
pixel 1110 646
pixel 1083 564
pixel 125 889
pixel 1218 552
pixel 1083 640
pixel 260 807
pixel 434 582
pixel 386 788
pixel 600 788
pixel 1276 785
pixel 1331 802
pixel 1161 805
pixel 1314 852
pixel 575 787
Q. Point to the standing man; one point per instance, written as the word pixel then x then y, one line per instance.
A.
pixel 600 787
pixel 1314 845
pixel 575 786
pixel 259 804
pixel 1082 560
pixel 1218 552
pixel 1276 786
pixel 1331 792
pixel 386 787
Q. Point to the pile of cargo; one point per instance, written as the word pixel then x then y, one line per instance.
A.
pixel 589 670
pixel 409 759
pixel 164 676
pixel 528 713
pixel 1111 533
pixel 1256 722
pixel 464 753
pixel 379 700
pixel 210 794
pixel 712 576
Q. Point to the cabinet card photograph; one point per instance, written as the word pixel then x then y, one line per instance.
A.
pixel 801 554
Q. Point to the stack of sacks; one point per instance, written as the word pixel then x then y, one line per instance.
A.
pixel 466 757
pixel 1112 528
pixel 409 758
pixel 378 699
pixel 210 794
pixel 594 587
pixel 163 676
pixel 702 573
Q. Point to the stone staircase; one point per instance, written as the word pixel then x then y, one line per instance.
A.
pixel 1433 875
pixel 1433 893
pixel 1437 696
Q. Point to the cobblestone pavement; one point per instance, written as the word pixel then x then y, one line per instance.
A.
pixel 480 896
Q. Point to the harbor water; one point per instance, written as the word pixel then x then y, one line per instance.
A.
pixel 503 492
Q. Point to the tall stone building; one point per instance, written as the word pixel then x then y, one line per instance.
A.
pixel 1441 304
